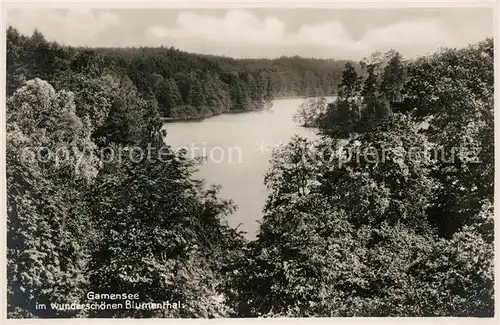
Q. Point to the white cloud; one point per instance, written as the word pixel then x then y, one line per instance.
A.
pixel 239 33
pixel 408 33
pixel 236 27
pixel 326 34
pixel 412 38
pixel 74 27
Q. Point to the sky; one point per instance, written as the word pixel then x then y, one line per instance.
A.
pixel 264 32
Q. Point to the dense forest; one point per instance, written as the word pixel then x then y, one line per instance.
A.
pixel 408 235
pixel 184 85
pixel 390 212
pixel 296 76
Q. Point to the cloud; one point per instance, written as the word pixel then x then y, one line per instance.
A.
pixel 241 34
pixel 77 26
pixel 236 27
pixel 412 38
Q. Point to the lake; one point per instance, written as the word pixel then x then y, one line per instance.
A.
pixel 238 148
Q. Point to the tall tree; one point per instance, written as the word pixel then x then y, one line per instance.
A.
pixel 162 235
pixel 50 163
pixel 394 78
pixel 349 86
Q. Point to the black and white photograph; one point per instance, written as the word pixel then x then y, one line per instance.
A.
pixel 210 161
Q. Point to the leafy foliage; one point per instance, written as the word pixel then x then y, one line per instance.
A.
pixel 370 220
pixel 46 252
pixel 162 235
pixel 310 111
pixel 83 214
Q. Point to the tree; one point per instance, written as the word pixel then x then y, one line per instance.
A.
pixel 394 78
pixel 169 96
pixel 163 235
pixel 349 86
pixel 17 63
pixel 196 96
pixel 457 103
pixel 50 163
pixel 375 253
pixel 128 118
pixel 93 95
pixel 310 112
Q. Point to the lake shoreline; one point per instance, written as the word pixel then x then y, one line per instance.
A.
pixel 241 111
pixel 200 119
pixel 230 144
pixel 303 97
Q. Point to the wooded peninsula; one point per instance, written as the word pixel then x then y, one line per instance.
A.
pixel 408 236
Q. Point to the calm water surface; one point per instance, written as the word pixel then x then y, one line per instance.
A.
pixel 238 148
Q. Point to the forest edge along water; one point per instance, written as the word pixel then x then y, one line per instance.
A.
pixel 88 212
pixel 238 148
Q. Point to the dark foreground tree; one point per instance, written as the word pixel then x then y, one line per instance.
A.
pixel 50 163
pixel 371 220
pixel 163 235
